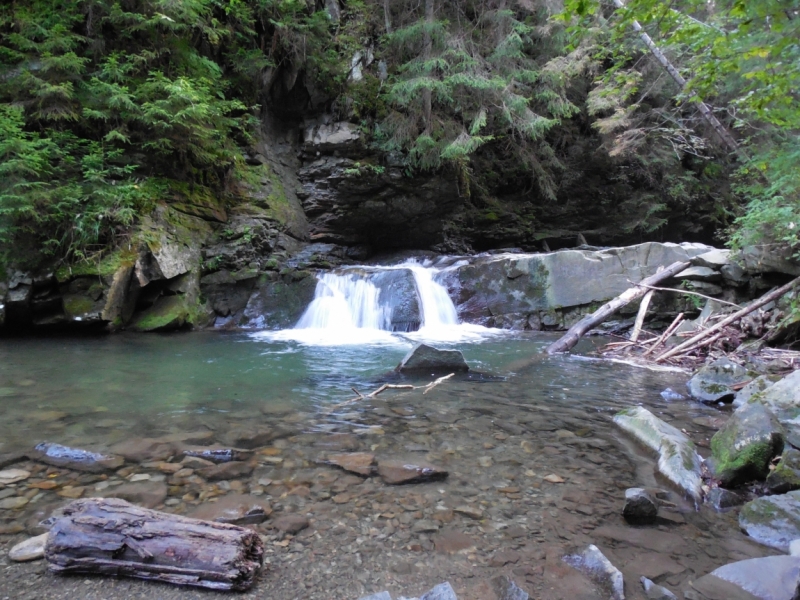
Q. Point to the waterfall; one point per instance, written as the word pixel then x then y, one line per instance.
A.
pixel 437 308
pixel 365 304
pixel 343 302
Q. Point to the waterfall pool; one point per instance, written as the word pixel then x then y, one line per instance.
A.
pixel 536 468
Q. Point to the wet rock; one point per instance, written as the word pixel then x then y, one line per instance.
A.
pixel 714 382
pixel 671 395
pixel 744 448
pixel 398 293
pixel 378 596
pixel 149 494
pixel 783 399
pixel 237 509
pixel 13 503
pixel 429 359
pixel 656 592
pixel 772 520
pixel 291 524
pixel 505 589
pixel 395 472
pixel 640 506
pixel 157 449
pixel 75 458
pixel 759 384
pixel 473 512
pixel 342 442
pixel 786 475
pixel 355 462
pixel 451 541
pixel 767 578
pixel 219 455
pixel 501 558
pixel 722 499
pixel 443 591
pixel 249 437
pixel 229 470
pixel 10 476
pixel 30 549
pixel 678 461
pixel 596 566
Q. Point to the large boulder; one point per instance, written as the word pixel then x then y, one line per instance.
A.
pixel 783 399
pixel 678 460
pixel 715 382
pixel 541 286
pixel 772 520
pixel 747 443
pixel 432 360
pixel 398 292
pixel 766 578
pixel 785 477
pixel 757 385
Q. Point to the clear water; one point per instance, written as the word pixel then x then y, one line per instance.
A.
pixel 94 392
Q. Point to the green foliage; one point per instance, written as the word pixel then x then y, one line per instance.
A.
pixel 740 55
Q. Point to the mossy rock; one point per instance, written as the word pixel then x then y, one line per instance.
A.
pixel 170 312
pixel 714 382
pixel 773 520
pixel 197 201
pixel 786 475
pixel 105 267
pixel 747 443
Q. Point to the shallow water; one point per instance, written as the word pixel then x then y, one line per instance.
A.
pixel 518 417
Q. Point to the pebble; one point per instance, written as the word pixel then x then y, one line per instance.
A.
pixel 485 461
pixel 553 478
pixel 469 511
pixel 30 549
pixel 13 503
pixel 10 476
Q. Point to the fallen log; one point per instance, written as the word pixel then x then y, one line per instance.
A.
pixel 765 299
pixel 569 339
pixel 109 536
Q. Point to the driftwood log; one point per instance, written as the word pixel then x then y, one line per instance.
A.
pixel 569 339
pixel 108 536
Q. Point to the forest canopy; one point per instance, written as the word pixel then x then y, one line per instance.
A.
pixel 106 105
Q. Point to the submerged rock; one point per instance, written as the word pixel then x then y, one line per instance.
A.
pixel 593 563
pixel 290 524
pixel 722 499
pixel 772 520
pixel 75 458
pixel 355 462
pixel 396 472
pixel 149 494
pixel 767 578
pixel 10 476
pixel 678 461
pixel 427 358
pixel 505 589
pixel 744 448
pixel 640 506
pixel 654 591
pixel 236 509
pixel 229 470
pixel 786 475
pixel 219 455
pixel 714 382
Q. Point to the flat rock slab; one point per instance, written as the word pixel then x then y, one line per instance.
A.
pixel 30 549
pixel 355 462
pixel 229 470
pixel 10 476
pixel 236 509
pixel 396 472
pixel 429 359
pixel 149 494
pixel 768 578
pixel 773 520
pixel 76 458
pixel 678 460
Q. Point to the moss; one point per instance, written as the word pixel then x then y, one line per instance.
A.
pixel 735 461
pixel 168 313
pixel 105 267
pixel 76 305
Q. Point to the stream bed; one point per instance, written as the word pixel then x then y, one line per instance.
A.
pixel 536 467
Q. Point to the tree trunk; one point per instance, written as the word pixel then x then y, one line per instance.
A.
pixel 721 131
pixel 427 51
pixel 112 537
pixel 575 332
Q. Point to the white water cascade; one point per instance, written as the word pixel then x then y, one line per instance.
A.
pixel 348 308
